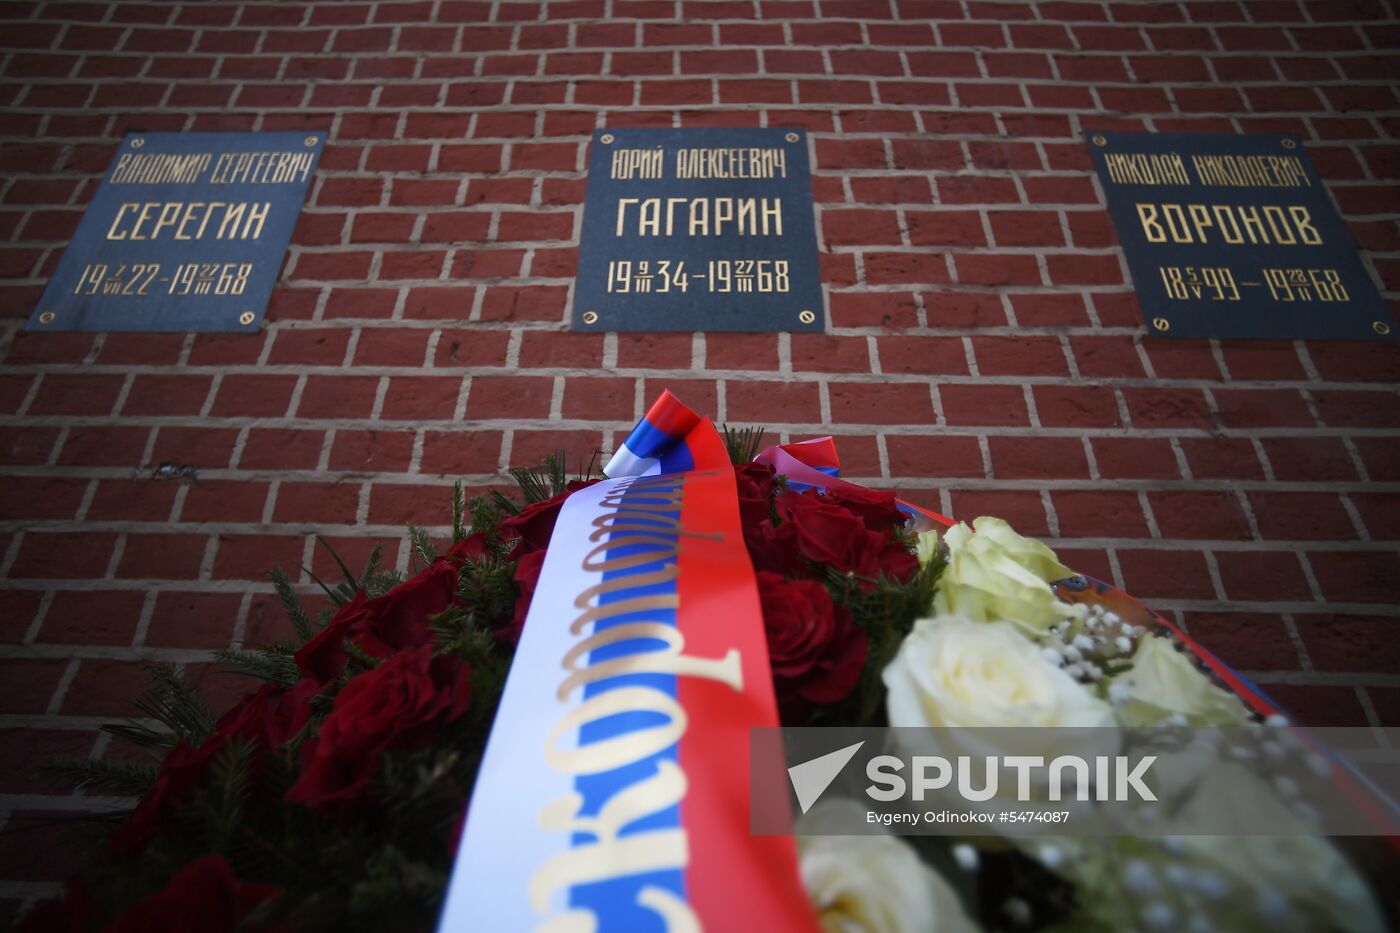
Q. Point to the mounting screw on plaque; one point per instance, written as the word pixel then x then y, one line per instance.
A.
pixel 1380 327
pixel 805 316
pixel 606 139
pixel 1289 144
pixel 47 317
pixel 137 143
pixel 1100 141
pixel 1161 323
pixel 246 318
pixel 311 140
pixel 590 317
pixel 792 137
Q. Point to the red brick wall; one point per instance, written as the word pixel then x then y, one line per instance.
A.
pixel 985 352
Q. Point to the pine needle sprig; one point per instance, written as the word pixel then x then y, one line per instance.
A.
pixel 264 663
pixel 291 605
pixel 743 444
pixel 226 794
pixel 459 509
pixel 171 700
pixel 100 775
pixel 422 550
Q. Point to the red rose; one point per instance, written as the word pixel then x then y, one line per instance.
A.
pixel 826 533
pixel 876 509
pixel 534 524
pixel 267 718
pixel 774 548
pixel 205 895
pixel 383 625
pixel 472 547
pixel 815 649
pixel 400 703
pixel 527 577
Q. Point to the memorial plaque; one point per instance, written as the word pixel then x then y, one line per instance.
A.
pixel 185 233
pixel 1235 236
pixel 698 229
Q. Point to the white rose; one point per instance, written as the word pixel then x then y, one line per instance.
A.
pixel 872 884
pixel 951 671
pixel 1303 878
pixel 1163 682
pixel 998 574
pixel 957 675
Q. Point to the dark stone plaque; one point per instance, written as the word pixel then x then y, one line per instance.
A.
pixel 698 229
pixel 1235 236
pixel 186 233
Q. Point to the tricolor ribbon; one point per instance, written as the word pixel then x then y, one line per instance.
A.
pixel 613 794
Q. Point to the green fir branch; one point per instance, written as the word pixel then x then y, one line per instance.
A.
pixel 226 793
pixel 156 741
pixel 743 444
pixel 264 664
pixel 291 605
pixel 171 700
pixel 459 510
pixel 100 775
pixel 422 550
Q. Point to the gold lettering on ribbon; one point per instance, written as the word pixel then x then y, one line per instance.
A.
pixel 610 855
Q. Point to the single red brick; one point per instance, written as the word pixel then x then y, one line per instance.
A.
pixel 63 555
pixel 421 398
pixel 1357 576
pixel 281 449
pixel 1349 642
pixel 222 500
pixel 207 448
pixel 1072 406
pixel 1302 516
pixel 922 355
pixel 550 349
pixel 983 404
pixel 1151 407
pixel 934 455
pixel 1166 574
pixel 509 397
pixel 161 557
pixel 317 503
pixel 252 557
pixel 1022 509
pixel 1271 576
pixel 100 445
pixel 1222 458
pixel 1318 706
pixel 828 353
pixel 76 394
pixel 894 268
pixel 319 347
pixel 133 500
pixel 253 396
pixel 1309 458
pixel 600 399
pixel 881 403
pixel 529 448
pixel 1019 356
pixel 473 347
pixel 1097 513
pixel 1245 641
pixel 92 617
pixel 1260 408
pixel 453 452
pixel 755 402
pixel 1132 457
pixel 371 452
pixel 873 309
pixel 524 303
pixel 750 352
pixel 338 396
pixel 193 620
pixel 1199 515
pixel 654 351
pixel 1038 458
